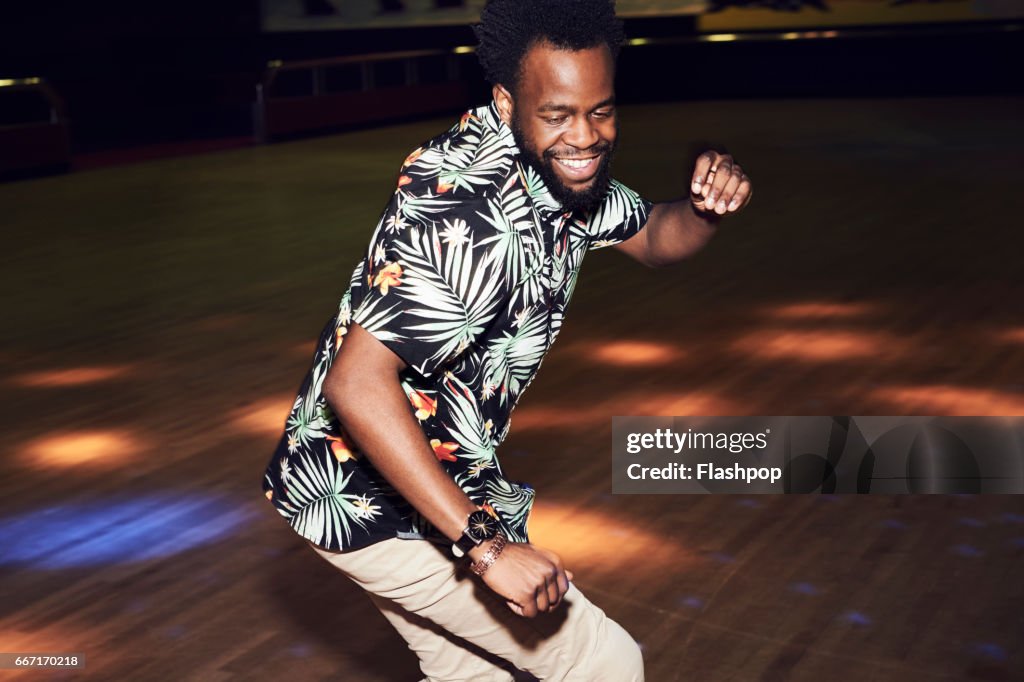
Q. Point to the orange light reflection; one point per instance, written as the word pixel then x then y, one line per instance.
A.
pixel 818 346
pixel 631 353
pixel 586 537
pixel 568 416
pixel 102 449
pixel 50 637
pixel 821 309
pixel 76 376
pixel 264 417
pixel 950 400
pixel 1014 335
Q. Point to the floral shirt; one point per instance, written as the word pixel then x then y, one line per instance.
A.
pixel 467 279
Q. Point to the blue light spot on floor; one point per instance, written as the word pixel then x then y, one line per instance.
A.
pixel 829 498
pixel 300 650
pixel 989 650
pixel 691 602
pixel 894 524
pixel 856 618
pixel 722 557
pixel 968 551
pixel 805 588
pixel 1013 518
pixel 119 529
pixel 750 504
pixel 1017 542
pixel 971 522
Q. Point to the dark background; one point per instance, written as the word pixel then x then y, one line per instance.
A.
pixel 138 72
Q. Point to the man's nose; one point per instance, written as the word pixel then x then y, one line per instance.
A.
pixel 582 135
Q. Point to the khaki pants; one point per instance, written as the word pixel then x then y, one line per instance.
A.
pixel 457 626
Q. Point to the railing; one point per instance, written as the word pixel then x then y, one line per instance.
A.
pixel 306 96
pixel 34 128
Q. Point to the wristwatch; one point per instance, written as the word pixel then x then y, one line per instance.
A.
pixel 480 527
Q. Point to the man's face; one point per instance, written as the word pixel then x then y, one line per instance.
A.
pixel 564 122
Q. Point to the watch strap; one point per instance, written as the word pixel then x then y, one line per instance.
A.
pixel 490 556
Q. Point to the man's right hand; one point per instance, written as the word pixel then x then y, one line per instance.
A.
pixel 530 578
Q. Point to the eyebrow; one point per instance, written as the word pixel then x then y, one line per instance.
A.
pixel 551 107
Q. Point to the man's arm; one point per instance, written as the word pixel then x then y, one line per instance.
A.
pixel 365 393
pixel 674 231
pixel 678 229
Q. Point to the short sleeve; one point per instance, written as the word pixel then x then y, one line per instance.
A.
pixel 431 291
pixel 622 214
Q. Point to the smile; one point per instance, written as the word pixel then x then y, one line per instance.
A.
pixel 577 164
pixel 579 170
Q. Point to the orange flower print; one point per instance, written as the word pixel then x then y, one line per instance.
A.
pixel 486 506
pixel 270 494
pixel 464 121
pixel 411 159
pixel 389 276
pixel 339 334
pixel 444 451
pixel 425 407
pixel 404 180
pixel 444 187
pixel 342 452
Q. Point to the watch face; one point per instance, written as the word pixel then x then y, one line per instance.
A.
pixel 482 526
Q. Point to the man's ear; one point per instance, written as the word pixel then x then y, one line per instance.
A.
pixel 503 98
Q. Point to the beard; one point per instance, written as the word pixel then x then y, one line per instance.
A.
pixel 584 200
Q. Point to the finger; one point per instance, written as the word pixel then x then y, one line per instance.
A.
pixel 563 583
pixel 554 592
pixel 541 599
pixel 529 607
pixel 724 172
pixel 722 205
pixel 700 171
pixel 568 574
pixel 516 608
pixel 742 197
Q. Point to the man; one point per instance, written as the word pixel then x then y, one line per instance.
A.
pixel 392 439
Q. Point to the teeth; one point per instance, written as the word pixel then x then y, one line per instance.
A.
pixel 575 163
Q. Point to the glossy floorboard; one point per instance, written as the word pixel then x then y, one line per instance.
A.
pixel 158 317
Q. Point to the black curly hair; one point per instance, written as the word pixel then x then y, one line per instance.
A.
pixel 509 28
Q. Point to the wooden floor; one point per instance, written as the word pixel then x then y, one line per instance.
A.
pixel 157 319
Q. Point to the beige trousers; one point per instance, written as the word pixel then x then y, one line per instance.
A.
pixel 460 629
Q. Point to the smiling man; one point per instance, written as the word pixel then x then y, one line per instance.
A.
pixel 388 466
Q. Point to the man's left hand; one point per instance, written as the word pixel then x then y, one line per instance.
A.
pixel 719 185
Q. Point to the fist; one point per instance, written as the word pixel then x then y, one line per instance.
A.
pixel 532 580
pixel 719 185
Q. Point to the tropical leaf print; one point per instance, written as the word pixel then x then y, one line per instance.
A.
pixel 466 423
pixel 325 512
pixel 513 357
pixel 513 503
pixel 472 162
pixel 621 210
pixel 467 277
pixel 516 236
pixel 456 288
pixel 418 209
